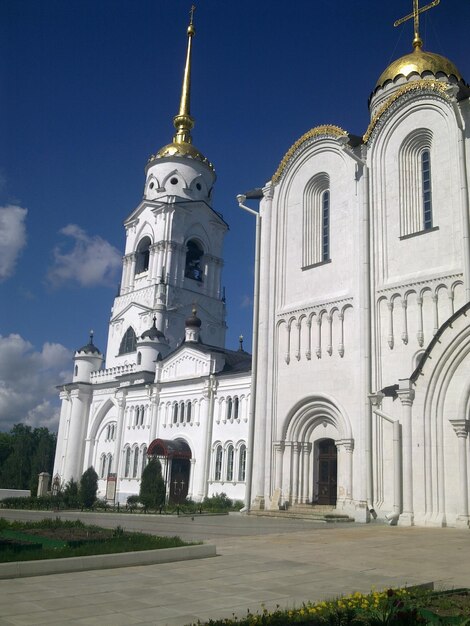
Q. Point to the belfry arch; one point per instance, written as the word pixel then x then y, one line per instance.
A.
pixel 316 443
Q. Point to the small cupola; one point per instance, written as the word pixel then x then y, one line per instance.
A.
pixel 152 345
pixel 192 327
pixel 87 359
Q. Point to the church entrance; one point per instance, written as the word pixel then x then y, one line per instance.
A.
pixel 179 481
pixel 327 472
pixel 175 457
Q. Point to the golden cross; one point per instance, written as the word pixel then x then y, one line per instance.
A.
pixel 417 43
pixel 191 14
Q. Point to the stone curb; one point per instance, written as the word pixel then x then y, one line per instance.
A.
pixel 22 569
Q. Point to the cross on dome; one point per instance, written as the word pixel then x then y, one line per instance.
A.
pixel 417 41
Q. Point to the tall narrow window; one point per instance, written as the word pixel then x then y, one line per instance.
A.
pixel 142 255
pixel 103 465
pixel 144 458
pixel 229 408
pixel 230 454
pixel 129 342
pixel 415 183
pixel 136 463
pixel 316 221
pixel 110 464
pixel 427 200
pixel 194 254
pixel 218 463
pixel 188 412
pixel 325 201
pixel 127 465
pixel 175 413
pixel 236 406
pixel 182 412
pixel 242 463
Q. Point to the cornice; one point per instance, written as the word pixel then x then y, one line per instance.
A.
pixel 313 307
pixel 319 132
pixel 418 283
pixel 416 88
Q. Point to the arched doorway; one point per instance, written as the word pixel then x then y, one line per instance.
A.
pixel 327 471
pixel 175 457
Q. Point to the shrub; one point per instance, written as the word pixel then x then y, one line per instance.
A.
pixel 70 495
pixel 152 486
pixel 88 487
pixel 217 502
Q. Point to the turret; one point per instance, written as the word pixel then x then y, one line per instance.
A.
pixel 86 359
pixel 192 327
pixel 151 346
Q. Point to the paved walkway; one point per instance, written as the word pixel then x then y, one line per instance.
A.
pixel 262 561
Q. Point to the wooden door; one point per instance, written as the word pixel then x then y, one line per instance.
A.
pixel 327 472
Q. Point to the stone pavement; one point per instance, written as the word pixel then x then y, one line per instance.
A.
pixel 261 561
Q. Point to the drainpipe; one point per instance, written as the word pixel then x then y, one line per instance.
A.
pixel 452 90
pixel 254 364
pixel 365 326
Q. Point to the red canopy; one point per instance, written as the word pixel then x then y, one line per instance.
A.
pixel 169 448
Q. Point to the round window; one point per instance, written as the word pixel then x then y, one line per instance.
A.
pixel 174 181
pixel 198 186
pixel 151 185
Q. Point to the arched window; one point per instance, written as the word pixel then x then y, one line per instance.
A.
pixel 144 458
pixel 129 342
pixel 415 189
pixel 76 370
pixel 194 254
pixel 142 255
pixel 127 464
pixel 242 463
pixel 426 182
pixel 230 454
pixel 139 358
pixel 175 413
pixel 142 415
pixel 103 466
pixel 136 463
pixel 218 463
pixel 236 406
pixel 188 412
pixel 325 201
pixel 229 408
pixel 181 412
pixel 316 221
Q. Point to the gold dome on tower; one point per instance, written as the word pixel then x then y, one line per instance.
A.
pixel 418 62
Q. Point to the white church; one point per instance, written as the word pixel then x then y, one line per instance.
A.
pixel 358 393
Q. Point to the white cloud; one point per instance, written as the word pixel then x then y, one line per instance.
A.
pixel 92 261
pixel 12 238
pixel 28 380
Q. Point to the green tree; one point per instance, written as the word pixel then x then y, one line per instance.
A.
pixel 88 487
pixel 152 486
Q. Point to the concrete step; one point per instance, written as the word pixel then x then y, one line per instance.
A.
pixel 330 516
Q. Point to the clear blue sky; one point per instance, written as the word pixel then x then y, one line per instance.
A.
pixel 88 91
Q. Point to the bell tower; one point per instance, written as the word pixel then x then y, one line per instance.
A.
pixel 174 239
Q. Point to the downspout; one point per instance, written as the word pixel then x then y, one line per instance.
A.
pixel 254 363
pixel 452 91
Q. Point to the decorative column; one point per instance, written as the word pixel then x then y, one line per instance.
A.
pixel 64 418
pixel 154 402
pixel 308 353
pixel 390 325
pixel 420 333
pixel 345 470
pixel 153 262
pixel 131 272
pixel 278 451
pixel 306 449
pixel 120 398
pixel 406 395
pixel 404 334
pixel 191 478
pixel 296 447
pixel 286 472
pixel 461 428
pixel 210 391
pixel 77 427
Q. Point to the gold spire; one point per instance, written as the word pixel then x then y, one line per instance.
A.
pixel 417 41
pixel 183 122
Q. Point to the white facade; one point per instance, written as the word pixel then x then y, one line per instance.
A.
pixel 370 241
pixel 362 378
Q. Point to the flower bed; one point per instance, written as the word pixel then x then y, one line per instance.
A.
pixel 393 607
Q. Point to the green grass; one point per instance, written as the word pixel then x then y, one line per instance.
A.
pixel 57 539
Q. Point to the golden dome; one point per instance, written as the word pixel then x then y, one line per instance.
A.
pixel 182 149
pixel 418 62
